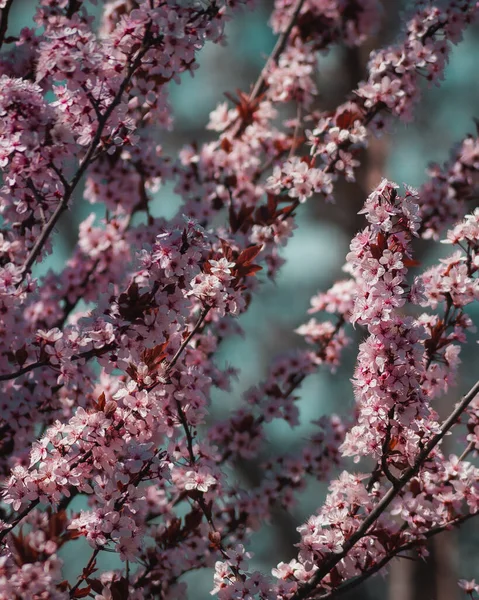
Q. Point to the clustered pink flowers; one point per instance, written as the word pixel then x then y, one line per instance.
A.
pixel 110 404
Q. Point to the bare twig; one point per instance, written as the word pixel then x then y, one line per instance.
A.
pixel 273 58
pixel 385 450
pixel 470 447
pixel 42 363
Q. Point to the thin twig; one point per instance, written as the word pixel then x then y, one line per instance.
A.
pixel 470 447
pixel 86 570
pixel 189 437
pixel 385 449
pixel 42 363
pixel 186 341
pixel 69 188
pixel 273 58
pixel 277 51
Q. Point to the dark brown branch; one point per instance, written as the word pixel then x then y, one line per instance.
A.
pixel 385 450
pixel 470 447
pixel 86 571
pixel 260 85
pixel 331 561
pixel 73 7
pixel 352 583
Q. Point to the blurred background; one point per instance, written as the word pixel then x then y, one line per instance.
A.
pixel 315 256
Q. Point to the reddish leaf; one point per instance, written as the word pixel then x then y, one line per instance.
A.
pixel 82 592
pixel 251 270
pixel 226 145
pixel 410 262
pixel 21 355
pixel 347 118
pixel 248 255
pixel 152 357
pixel 393 443
pixel 57 523
pixel 101 401
pixel 171 533
pixel 119 589
pixel 96 585
pixel 415 487
pixel 193 519
pixel 227 251
pixel 110 408
pixel 72 534
pixel 231 181
pixel 132 371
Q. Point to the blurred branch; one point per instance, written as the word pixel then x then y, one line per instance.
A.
pixel 277 51
pixel 4 21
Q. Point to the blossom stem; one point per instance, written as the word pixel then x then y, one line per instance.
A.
pixel 470 447
pixel 273 58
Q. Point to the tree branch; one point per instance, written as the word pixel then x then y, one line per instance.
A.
pixel 69 188
pixel 349 585
pixel 84 457
pixel 331 561
pixel 4 13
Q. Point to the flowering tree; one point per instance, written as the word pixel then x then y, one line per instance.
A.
pixel 110 404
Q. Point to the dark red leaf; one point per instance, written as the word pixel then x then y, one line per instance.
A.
pixel 82 592
pixel 410 262
pixel 21 355
pixel 96 585
pixel 248 255
pixel 193 519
